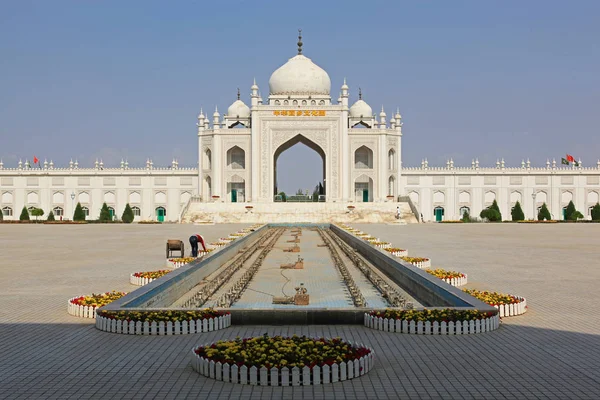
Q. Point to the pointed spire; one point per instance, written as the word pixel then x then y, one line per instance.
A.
pixel 345 85
pixel 359 93
pixel 238 93
pixel 299 41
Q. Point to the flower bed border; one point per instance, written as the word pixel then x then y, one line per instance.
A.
pixel 317 375
pixel 179 264
pixel 432 328
pixel 401 253
pixel 421 264
pixel 80 311
pixel 140 281
pixel 162 328
pixel 513 309
pixel 460 281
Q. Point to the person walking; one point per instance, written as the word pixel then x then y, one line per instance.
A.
pixel 194 240
pixel 398 212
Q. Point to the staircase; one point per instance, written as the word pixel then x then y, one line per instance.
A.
pixel 381 213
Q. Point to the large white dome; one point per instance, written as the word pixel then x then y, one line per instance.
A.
pixel 300 76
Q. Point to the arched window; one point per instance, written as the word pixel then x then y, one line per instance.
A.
pixel 363 158
pixel 136 211
pixel 463 210
pixel 58 211
pixel 208 159
pixel 7 212
pixel 391 159
pixel 236 158
pixel 391 186
pixel 86 211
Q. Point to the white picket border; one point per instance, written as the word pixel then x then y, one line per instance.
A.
pixel 514 309
pixel 421 264
pixel 139 281
pixel 162 327
pixel 460 281
pixel 175 265
pixel 80 311
pixel 400 253
pixel 263 376
pixel 432 328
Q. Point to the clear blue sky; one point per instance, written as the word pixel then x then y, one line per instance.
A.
pixel 113 79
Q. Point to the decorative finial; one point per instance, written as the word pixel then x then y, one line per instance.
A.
pixel 238 93
pixel 359 93
pixel 299 41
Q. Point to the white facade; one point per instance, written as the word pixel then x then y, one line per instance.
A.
pixel 237 157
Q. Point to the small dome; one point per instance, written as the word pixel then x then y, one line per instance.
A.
pixel 238 109
pixel 361 109
pixel 299 76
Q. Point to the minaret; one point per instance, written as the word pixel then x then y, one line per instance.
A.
pixel 344 95
pixel 382 116
pixel 216 118
pixel 300 42
pixel 254 94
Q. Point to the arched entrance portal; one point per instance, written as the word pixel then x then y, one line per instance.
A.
pixel 301 170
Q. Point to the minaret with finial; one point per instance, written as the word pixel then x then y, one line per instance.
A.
pixel 238 94
pixel 299 42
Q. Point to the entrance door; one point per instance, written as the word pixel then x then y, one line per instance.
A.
pixel 439 212
pixel 234 195
pixel 112 213
pixel 365 196
pixel 160 214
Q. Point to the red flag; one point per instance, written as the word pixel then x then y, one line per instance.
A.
pixel 570 158
pixel 35 160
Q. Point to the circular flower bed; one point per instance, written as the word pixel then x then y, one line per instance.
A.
pixel 85 306
pixel 433 322
pixel 507 304
pixel 419 262
pixel 451 277
pixel 171 322
pixel 282 361
pixel 144 278
pixel 396 251
pixel 179 262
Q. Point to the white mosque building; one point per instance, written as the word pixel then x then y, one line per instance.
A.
pixel 237 177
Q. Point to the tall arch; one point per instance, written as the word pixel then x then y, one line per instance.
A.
pixel 391 186
pixel 391 159
pixel 363 158
pixel 236 158
pixel 207 159
pixel 292 142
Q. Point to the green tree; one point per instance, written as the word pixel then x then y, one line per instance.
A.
pixel 596 212
pixel 127 215
pixel 576 216
pixel 1 215
pixel 50 216
pixel 570 211
pixel 104 214
pixel 283 196
pixel 37 212
pixel 24 214
pixel 544 213
pixel 517 213
pixel 78 215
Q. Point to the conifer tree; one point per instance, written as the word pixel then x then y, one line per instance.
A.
pixel 517 213
pixel 24 214
pixel 596 212
pixel 50 216
pixel 127 216
pixel 78 215
pixel 494 206
pixel 570 211
pixel 105 214
pixel 544 213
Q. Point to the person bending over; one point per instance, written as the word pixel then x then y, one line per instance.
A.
pixel 194 240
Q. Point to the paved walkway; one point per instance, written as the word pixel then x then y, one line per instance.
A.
pixel 553 351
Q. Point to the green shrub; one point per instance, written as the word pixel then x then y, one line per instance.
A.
pixel 105 214
pixel 544 213
pixel 596 212
pixel 37 212
pixel 50 216
pixel 491 214
pixel 466 217
pixel 127 216
pixel 24 214
pixel 517 213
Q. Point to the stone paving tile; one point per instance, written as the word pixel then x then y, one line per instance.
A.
pixel 552 352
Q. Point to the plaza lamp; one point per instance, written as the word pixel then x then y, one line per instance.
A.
pixel 533 201
pixel 72 201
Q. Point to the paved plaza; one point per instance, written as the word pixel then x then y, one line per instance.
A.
pixel 553 351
